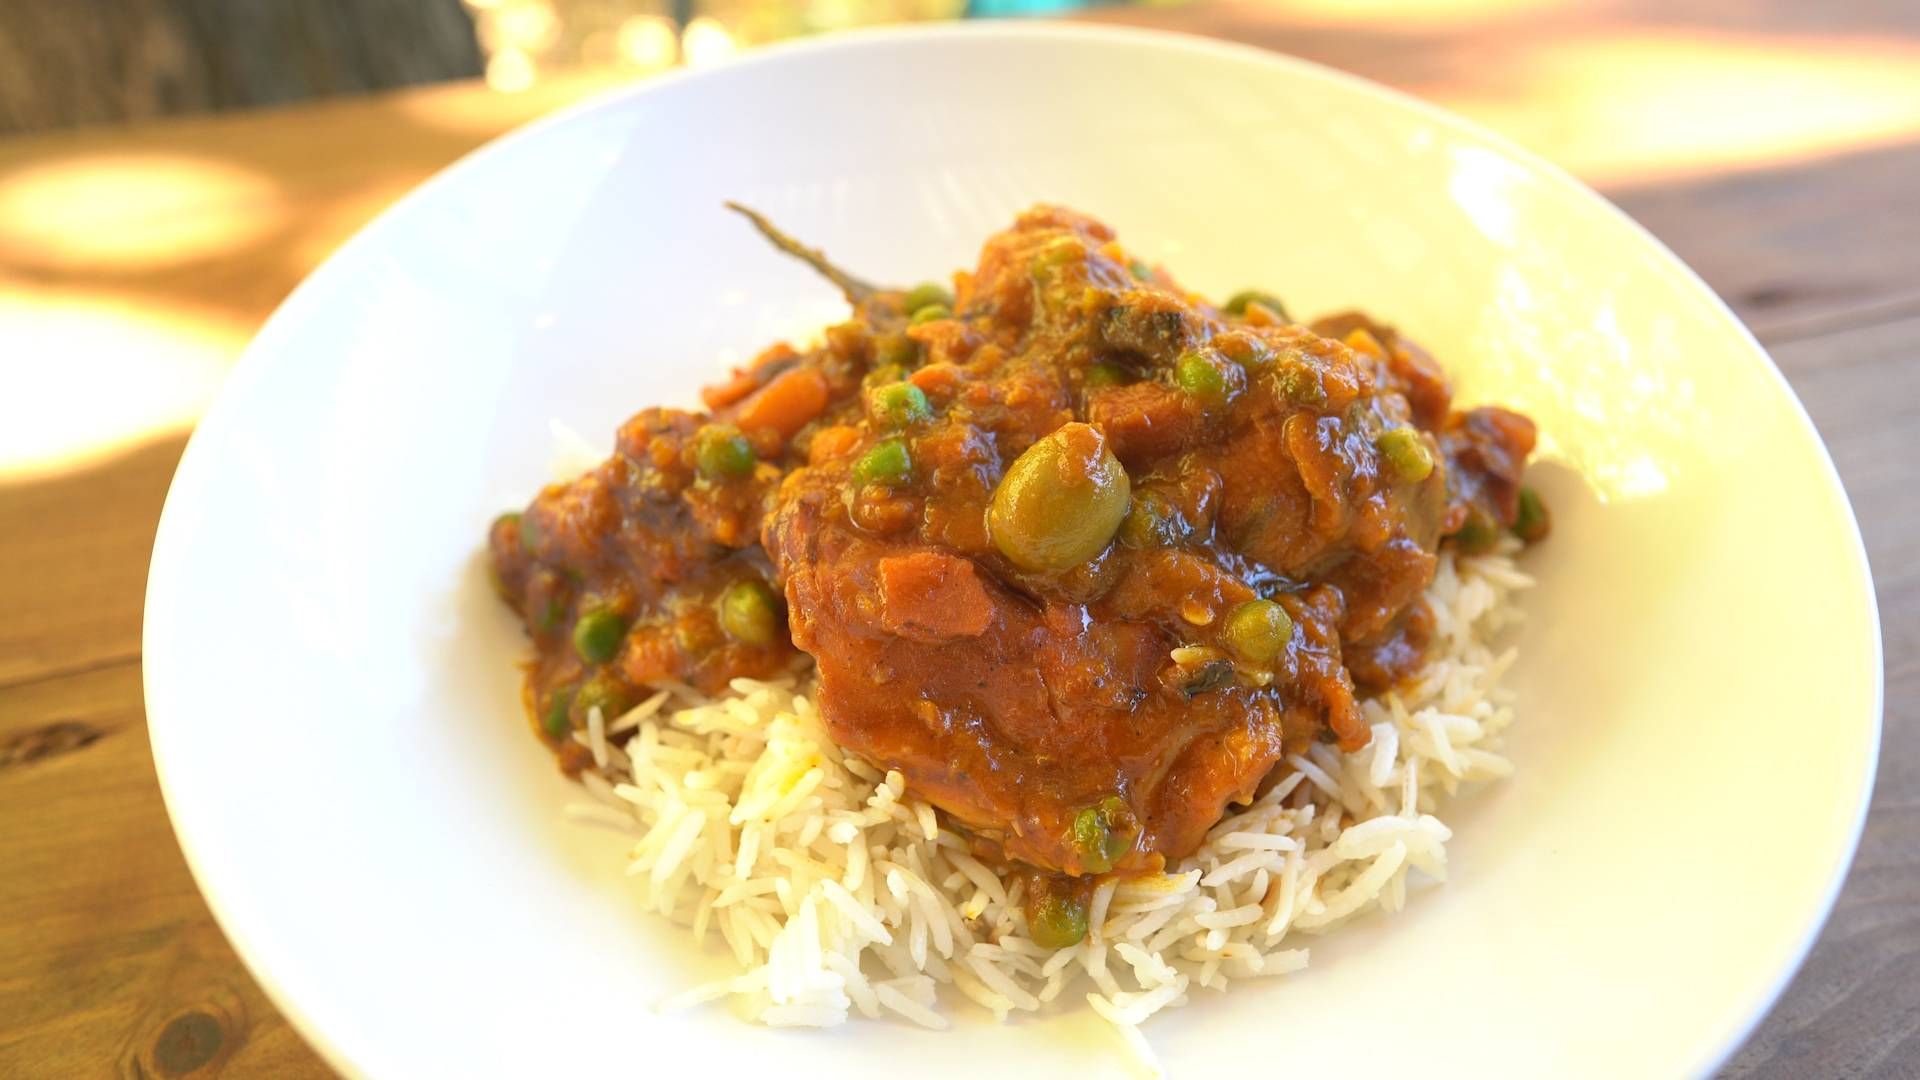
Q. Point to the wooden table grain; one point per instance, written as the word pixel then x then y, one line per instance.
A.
pixel 1775 147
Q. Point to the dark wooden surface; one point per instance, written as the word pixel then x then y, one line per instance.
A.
pixel 1809 226
pixel 64 63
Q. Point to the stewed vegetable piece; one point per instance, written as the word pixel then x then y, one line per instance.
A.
pixel 1060 501
pixel 1237 304
pixel 887 463
pixel 722 453
pixel 897 405
pixel 1405 454
pixel 1532 522
pixel 597 634
pixel 1258 630
pixel 750 612
pixel 1056 911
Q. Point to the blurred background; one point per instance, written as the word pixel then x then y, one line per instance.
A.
pixel 1772 71
pixel 171 169
pixel 100 61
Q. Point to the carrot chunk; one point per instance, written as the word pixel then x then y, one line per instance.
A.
pixel 933 596
pixel 736 388
pixel 786 404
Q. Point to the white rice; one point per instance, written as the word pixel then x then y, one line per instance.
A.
pixel 839 892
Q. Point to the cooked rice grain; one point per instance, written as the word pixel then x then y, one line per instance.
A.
pixel 837 890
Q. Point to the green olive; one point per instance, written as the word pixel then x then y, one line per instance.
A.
pixel 1532 522
pixel 750 612
pixel 1237 303
pixel 1198 375
pixel 606 693
pixel 927 294
pixel 597 634
pixel 930 313
pixel 554 721
pixel 1056 918
pixel 1103 833
pixel 1257 631
pixel 1060 502
pixel 722 453
pixel 900 404
pixel 1405 455
pixel 887 463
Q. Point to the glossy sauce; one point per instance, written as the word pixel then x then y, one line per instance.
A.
pixel 1296 480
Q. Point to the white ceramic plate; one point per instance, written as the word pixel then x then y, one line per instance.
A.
pixel 332 689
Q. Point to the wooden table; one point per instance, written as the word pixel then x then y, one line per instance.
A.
pixel 1778 153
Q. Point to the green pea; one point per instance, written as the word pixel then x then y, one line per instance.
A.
pixel 555 611
pixel 555 720
pixel 597 634
pixel 930 313
pixel 1478 534
pixel 1140 270
pixel 1060 502
pixel 881 376
pixel 1237 303
pixel 1257 631
pixel 750 612
pixel 1057 919
pixel 605 693
pixel 900 404
pixel 1103 374
pixel 722 453
pixel 1200 376
pixel 1103 833
pixel 1300 386
pixel 896 350
pixel 927 294
pixel 1532 523
pixel 887 463
pixel 1405 454
pixel 1151 521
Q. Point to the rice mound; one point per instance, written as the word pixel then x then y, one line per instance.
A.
pixel 839 892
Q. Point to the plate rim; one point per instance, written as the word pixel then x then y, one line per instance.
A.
pixel 253 363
